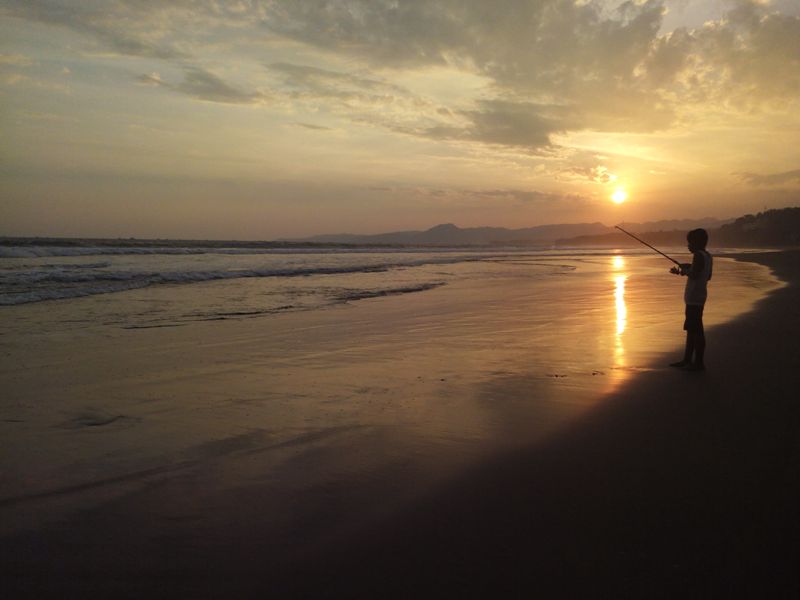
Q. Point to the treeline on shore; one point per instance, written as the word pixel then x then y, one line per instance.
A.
pixel 775 228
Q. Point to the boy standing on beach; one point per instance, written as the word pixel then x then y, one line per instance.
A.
pixel 698 273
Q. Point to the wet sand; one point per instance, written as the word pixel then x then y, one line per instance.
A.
pixel 682 485
pixel 678 484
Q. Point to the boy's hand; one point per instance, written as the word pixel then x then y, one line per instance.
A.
pixel 682 269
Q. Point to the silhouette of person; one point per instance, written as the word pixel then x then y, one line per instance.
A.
pixel 698 274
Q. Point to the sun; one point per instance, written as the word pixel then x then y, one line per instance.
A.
pixel 619 196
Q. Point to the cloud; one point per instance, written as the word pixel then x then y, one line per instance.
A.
pixel 325 82
pixel 558 78
pixel 550 66
pixel 153 79
pixel 527 196
pixel 772 178
pixel 13 79
pixel 122 27
pixel 596 174
pixel 538 52
pixel 313 127
pixel 203 85
pixel 612 66
pixel 367 100
pixel 14 69
pixel 16 60
pixel 399 34
pixel 518 124
pixel 506 197
pixel 747 60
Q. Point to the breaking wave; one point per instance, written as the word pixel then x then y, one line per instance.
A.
pixel 66 251
pixel 55 282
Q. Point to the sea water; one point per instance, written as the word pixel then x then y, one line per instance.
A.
pixel 57 288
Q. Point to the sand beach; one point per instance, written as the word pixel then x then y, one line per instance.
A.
pixel 678 486
pixel 386 448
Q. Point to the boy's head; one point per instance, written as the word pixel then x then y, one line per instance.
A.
pixel 697 238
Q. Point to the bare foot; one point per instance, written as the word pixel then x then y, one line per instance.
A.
pixel 680 364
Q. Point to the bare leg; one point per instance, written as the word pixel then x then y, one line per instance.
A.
pixel 687 353
pixel 690 347
pixel 699 348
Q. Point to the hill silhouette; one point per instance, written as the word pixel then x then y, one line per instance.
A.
pixel 448 234
pixel 777 227
pixel 774 228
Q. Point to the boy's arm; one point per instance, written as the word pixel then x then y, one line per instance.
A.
pixel 694 270
pixel 698 264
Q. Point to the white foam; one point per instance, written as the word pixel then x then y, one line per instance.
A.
pixel 53 282
pixel 53 251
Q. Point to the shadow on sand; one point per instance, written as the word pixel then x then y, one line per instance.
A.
pixel 680 485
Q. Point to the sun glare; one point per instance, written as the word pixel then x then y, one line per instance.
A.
pixel 619 196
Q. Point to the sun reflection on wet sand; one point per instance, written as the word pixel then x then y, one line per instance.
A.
pixel 618 265
pixel 619 301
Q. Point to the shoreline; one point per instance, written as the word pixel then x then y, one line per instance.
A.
pixel 693 489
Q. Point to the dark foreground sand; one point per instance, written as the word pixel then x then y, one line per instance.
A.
pixel 683 485
pixel 680 485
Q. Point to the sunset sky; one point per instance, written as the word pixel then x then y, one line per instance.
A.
pixel 281 118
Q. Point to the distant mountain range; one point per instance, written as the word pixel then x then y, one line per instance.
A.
pixel 543 235
pixel 772 228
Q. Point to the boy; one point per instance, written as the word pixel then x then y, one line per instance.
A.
pixel 698 273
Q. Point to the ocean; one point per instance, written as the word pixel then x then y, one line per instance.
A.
pixel 174 284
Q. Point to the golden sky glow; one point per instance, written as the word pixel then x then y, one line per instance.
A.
pixel 280 118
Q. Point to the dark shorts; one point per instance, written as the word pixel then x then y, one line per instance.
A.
pixel 694 318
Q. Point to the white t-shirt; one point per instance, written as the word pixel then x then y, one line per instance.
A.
pixel 696 290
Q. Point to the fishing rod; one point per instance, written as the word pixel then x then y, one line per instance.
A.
pixel 648 245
